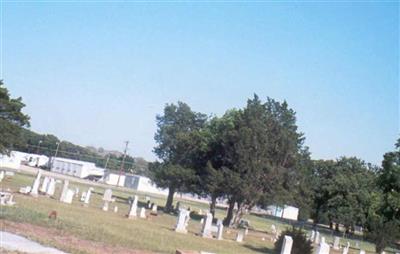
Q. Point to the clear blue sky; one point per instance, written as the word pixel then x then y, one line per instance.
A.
pixel 98 73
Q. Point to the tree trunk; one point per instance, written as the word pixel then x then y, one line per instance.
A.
pixel 168 205
pixel 242 210
pixel 213 204
pixel 229 214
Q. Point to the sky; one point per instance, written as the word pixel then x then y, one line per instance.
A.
pixel 98 73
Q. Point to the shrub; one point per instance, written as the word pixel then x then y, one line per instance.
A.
pixel 300 243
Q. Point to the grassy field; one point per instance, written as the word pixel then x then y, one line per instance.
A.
pixel 114 229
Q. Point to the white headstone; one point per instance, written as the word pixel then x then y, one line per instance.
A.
pixel 76 192
pixel 1 175
pixel 323 248
pixel 239 236
pixel 336 243
pixel 83 196
pixel 154 208
pixel 362 251
pixel 206 230
pixel 346 249
pixel 36 183
pixel 107 195
pixel 105 205
pixel 133 208
pixel 87 196
pixel 312 236
pixel 45 184
pixel 182 221
pixel 220 231
pixel 115 209
pixel 51 187
pixel 69 195
pixel 142 213
pixel 317 239
pixel 287 245
pixel 64 190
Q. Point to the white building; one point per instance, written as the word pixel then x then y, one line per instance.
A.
pixel 135 182
pixel 286 212
pixel 81 169
pixel 11 161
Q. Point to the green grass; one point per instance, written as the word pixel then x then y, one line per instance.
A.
pixel 91 223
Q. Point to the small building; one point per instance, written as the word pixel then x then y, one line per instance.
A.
pixel 135 182
pixel 81 169
pixel 285 212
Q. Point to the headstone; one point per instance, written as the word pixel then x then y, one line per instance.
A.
pixel 36 183
pixel 246 231
pixel 317 239
pixel 69 195
pixel 336 243
pixel 357 244
pixel 133 208
pixel 107 195
pixel 220 231
pixel 362 251
pixel 142 213
pixel 83 196
pixel 182 221
pixel 322 239
pixel 154 209
pixel 76 192
pixel 202 221
pixel 87 196
pixel 346 249
pixel 239 236
pixel 148 204
pixel 115 209
pixel 51 187
pixel 105 205
pixel 64 190
pixel 1 175
pixel 287 245
pixel 45 184
pixel 206 230
pixel 312 236
pixel 323 248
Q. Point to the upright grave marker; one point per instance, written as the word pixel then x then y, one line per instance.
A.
pixel 287 245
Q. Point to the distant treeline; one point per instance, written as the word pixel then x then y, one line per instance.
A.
pixel 46 144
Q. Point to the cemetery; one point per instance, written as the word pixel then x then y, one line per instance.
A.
pixel 115 220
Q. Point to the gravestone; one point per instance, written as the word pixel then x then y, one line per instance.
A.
pixel 287 245
pixel 68 197
pixel 1 175
pixel 323 248
pixel 142 213
pixel 312 236
pixel 64 190
pixel 182 221
pixel 115 209
pixel 76 192
pixel 154 209
pixel 105 205
pixel 36 183
pixel 336 243
pixel 206 230
pixel 133 208
pixel 346 249
pixel 107 195
pixel 87 196
pixel 220 231
pixel 51 188
pixel 83 196
pixel 362 251
pixel 239 236
pixel 317 238
pixel 45 184
pixel 246 231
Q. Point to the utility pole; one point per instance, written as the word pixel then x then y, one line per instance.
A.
pixel 123 161
pixel 55 155
pixel 38 146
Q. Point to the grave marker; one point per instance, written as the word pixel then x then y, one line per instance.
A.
pixel 287 245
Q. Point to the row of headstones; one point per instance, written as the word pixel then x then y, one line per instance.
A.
pixel 49 185
pixel 324 247
pixel 207 228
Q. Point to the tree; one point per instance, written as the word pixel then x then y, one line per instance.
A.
pixel 11 119
pixel 384 221
pixel 174 138
pixel 264 155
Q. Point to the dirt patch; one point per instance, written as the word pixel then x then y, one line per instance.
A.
pixel 64 240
